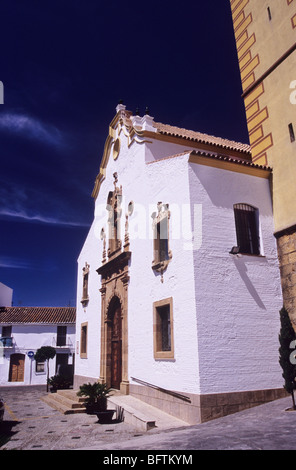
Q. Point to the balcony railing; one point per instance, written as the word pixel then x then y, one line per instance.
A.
pixel 62 342
pixel 6 342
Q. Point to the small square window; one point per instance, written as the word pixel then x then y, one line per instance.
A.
pixel 6 339
pixel 40 367
pixel 6 331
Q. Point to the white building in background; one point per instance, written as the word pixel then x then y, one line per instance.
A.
pixel 5 295
pixel 23 330
pixel 178 280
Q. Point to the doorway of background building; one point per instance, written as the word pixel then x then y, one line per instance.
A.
pixel 61 360
pixel 116 344
pixel 17 368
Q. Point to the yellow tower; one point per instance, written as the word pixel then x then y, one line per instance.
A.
pixel 265 35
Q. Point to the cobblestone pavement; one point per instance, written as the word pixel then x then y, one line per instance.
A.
pixel 30 424
pixel 266 427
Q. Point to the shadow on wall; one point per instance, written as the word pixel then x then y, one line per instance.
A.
pixel 225 188
pixel 242 270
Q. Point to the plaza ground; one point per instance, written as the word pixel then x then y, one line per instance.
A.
pixel 31 424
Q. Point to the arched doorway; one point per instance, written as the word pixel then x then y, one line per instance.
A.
pixel 114 322
pixel 115 342
pixel 17 368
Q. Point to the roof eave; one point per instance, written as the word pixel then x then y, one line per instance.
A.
pixel 230 164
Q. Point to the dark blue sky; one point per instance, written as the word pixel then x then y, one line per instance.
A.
pixel 65 64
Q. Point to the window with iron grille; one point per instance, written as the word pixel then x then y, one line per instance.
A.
pixel 6 339
pixel 163 337
pixel 61 335
pixel 83 340
pixel 247 229
pixel 164 328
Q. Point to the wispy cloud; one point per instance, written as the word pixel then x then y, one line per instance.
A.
pixel 31 128
pixel 32 205
pixel 37 218
pixel 21 263
pixel 14 263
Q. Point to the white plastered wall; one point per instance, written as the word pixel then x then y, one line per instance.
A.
pixel 180 373
pixel 238 298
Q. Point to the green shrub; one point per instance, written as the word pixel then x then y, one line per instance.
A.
pixel 286 337
pixel 96 394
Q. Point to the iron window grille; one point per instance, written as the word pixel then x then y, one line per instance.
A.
pixel 164 325
pixel 61 336
pixel 163 336
pixel 6 338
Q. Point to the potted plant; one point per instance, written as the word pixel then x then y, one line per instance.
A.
pixel 96 400
pixel 59 382
pixel 53 383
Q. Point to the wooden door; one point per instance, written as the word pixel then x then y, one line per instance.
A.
pixel 17 368
pixel 116 349
pixel 61 360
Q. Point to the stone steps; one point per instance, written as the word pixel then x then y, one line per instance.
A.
pixel 65 401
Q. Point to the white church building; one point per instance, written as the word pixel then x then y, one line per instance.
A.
pixel 179 288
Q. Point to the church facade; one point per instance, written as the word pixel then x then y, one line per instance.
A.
pixel 179 291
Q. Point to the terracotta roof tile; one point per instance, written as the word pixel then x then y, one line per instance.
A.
pixel 37 315
pixel 166 129
pixel 216 156
pixel 225 158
